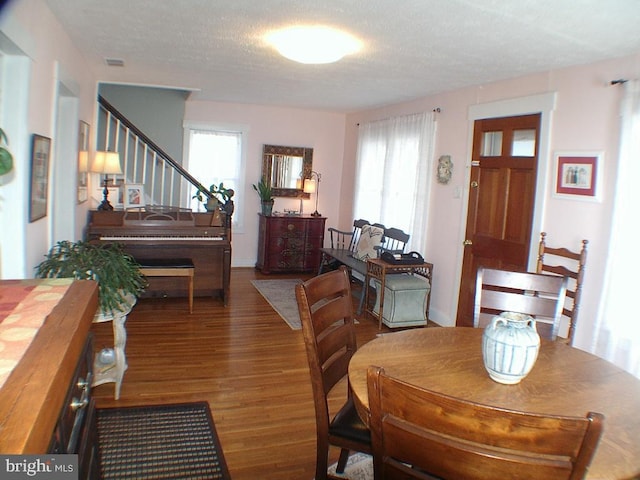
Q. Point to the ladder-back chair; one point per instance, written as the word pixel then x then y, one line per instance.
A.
pixel 539 295
pixel 566 263
pixel 326 314
pixel 418 433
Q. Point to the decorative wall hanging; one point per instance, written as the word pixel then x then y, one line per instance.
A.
pixel 40 151
pixel 445 169
pixel 577 174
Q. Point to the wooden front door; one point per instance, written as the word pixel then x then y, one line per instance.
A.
pixel 501 200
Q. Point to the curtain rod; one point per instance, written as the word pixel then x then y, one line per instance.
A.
pixel 619 81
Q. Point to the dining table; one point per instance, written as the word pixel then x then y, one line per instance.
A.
pixel 563 381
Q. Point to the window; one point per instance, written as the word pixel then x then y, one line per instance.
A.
pixel 216 155
pixel 393 174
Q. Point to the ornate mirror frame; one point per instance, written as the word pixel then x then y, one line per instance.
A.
pixel 268 153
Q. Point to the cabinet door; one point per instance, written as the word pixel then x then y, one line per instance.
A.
pixel 288 246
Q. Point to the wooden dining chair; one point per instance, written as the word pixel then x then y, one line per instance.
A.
pixel 422 434
pixel 564 262
pixel 326 314
pixel 539 295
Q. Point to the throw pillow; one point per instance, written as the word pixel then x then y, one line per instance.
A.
pixel 370 237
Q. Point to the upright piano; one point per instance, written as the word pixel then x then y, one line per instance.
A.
pixel 171 232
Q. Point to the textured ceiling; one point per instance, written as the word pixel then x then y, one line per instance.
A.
pixel 413 48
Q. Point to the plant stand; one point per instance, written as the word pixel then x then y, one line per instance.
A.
pixel 113 372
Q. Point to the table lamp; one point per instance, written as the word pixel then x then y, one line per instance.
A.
pixel 311 186
pixel 106 163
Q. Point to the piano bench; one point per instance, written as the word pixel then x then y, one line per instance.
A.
pixel 169 267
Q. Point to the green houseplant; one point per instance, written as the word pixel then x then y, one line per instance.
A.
pixel 219 195
pixel 266 196
pixel 117 273
pixel 6 159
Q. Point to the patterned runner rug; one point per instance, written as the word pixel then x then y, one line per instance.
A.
pixel 159 442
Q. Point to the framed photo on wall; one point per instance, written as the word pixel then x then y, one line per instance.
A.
pixel 577 175
pixel 83 161
pixel 133 195
pixel 39 189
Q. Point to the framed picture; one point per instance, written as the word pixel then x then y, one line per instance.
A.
pixel 39 190
pixel 133 195
pixel 577 174
pixel 83 161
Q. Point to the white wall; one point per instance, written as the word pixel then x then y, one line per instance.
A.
pixel 37 39
pixel 585 118
pixel 322 131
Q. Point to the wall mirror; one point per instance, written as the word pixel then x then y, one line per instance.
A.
pixel 285 169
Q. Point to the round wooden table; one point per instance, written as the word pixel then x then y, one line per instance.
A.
pixel 564 381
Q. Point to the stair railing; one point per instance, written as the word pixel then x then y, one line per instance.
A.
pixel 165 181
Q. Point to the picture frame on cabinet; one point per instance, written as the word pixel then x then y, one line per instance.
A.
pixel 39 184
pixel 578 175
pixel 133 195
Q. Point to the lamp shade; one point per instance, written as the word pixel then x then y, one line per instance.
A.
pixel 106 163
pixel 309 185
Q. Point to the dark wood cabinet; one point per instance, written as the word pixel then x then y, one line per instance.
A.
pixel 75 431
pixel 290 243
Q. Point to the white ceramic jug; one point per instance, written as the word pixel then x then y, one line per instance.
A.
pixel 510 345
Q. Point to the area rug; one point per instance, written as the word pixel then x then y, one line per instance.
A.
pixel 281 295
pixel 159 442
pixel 359 467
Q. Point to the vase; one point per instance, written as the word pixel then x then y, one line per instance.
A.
pixel 212 204
pixel 267 208
pixel 510 345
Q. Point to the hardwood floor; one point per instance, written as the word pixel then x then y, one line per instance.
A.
pixel 243 359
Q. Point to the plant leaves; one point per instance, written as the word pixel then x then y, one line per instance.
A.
pixel 6 161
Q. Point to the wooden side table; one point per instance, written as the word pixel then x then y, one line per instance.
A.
pixel 377 269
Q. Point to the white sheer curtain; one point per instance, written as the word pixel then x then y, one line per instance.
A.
pixel 393 174
pixel 617 335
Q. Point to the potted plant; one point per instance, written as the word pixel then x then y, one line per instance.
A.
pixel 6 159
pixel 219 195
pixel 117 273
pixel 266 196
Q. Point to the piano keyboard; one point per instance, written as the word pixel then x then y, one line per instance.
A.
pixel 172 238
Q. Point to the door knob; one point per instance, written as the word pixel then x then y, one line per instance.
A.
pixel 474 184
pixel 467 242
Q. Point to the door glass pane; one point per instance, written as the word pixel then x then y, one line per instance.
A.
pixel 524 143
pixel 491 144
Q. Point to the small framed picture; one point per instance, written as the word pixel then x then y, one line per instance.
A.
pixel 133 195
pixel 577 174
pixel 39 191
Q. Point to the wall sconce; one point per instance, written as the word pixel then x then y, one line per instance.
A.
pixel 83 161
pixel 311 186
pixel 106 163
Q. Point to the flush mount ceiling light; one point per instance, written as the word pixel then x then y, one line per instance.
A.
pixel 313 44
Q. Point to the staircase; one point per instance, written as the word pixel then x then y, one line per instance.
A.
pixel 165 181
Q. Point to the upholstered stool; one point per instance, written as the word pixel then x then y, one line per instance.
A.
pixel 167 267
pixel 405 300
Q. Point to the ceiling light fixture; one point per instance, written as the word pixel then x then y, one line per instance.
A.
pixel 313 44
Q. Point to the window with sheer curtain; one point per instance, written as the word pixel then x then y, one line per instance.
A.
pixel 215 156
pixel 617 335
pixel 393 174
